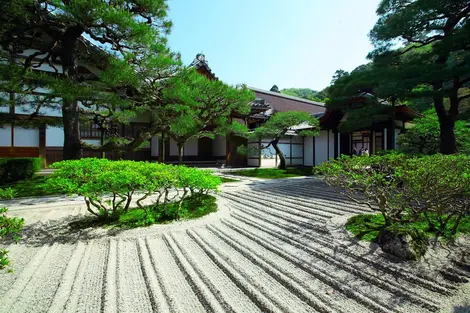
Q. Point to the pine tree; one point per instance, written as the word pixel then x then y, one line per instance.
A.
pixel 112 35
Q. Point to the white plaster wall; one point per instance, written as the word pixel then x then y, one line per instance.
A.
pixel 268 162
pixel 173 147
pixel 297 151
pixel 154 146
pixel 285 148
pixel 297 162
pixel 321 147
pixel 308 151
pixel 54 137
pixel 190 147
pixel 5 135
pixel 332 144
pixel 25 137
pixel 253 162
pixel 219 146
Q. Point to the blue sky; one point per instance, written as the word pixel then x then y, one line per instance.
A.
pixel 290 43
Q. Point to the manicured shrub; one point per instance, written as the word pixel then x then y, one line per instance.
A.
pixel 9 227
pixel 15 169
pixel 7 193
pixel 109 187
pixel 432 192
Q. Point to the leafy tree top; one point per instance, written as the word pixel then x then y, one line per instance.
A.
pixel 196 106
pixel 274 88
pixel 281 122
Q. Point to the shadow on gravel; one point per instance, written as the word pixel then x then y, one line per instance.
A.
pixel 461 309
pixel 65 230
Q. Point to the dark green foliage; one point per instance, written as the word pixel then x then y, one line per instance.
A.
pixel 274 88
pixel 433 61
pixel 305 93
pixel 273 173
pixel 109 187
pixel 15 169
pixel 9 228
pixel 125 40
pixel 430 193
pixel 196 107
pixel 367 227
pixel 423 136
pixel 193 207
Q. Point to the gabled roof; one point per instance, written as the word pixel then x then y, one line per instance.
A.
pixel 282 103
pixel 201 65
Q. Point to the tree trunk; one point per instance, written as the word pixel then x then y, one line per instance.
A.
pixel 448 144
pixel 282 159
pixel 68 57
pixel 72 145
pixel 180 152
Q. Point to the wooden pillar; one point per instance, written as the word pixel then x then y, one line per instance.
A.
pixel 385 139
pixel 328 145
pixel 42 145
pixel 314 162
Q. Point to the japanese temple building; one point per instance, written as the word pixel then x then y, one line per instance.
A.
pixel 47 142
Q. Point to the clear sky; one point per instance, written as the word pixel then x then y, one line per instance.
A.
pixel 290 43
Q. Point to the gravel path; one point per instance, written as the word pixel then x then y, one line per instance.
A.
pixel 275 246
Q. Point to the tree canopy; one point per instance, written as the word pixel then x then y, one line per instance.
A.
pixel 113 38
pixel 423 136
pixel 305 93
pixel 427 42
pixel 196 107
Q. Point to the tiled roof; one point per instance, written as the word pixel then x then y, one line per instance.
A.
pixel 200 62
pixel 282 103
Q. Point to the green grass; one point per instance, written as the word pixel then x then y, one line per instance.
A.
pixel 32 187
pixel 193 207
pixel 274 173
pixel 228 180
pixel 367 227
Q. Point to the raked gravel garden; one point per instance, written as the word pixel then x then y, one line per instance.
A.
pixel 272 246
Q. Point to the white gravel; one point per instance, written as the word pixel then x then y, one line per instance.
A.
pixel 273 246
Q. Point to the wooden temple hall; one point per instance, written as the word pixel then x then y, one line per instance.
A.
pixel 47 142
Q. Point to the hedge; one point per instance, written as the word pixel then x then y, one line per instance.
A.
pixel 15 169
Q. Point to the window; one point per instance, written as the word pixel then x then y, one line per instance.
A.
pixel 89 130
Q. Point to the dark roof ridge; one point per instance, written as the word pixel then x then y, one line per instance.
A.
pixel 281 95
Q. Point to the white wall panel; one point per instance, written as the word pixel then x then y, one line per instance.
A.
pixel 297 151
pixel 219 146
pixel 173 147
pixel 191 147
pixel 5 135
pixel 321 147
pixel 332 144
pixel 268 162
pixel 308 151
pixel 25 137
pixel 155 145
pixel 54 137
pixel 253 162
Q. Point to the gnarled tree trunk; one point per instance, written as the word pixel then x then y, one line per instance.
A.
pixel 180 152
pixel 282 158
pixel 70 114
